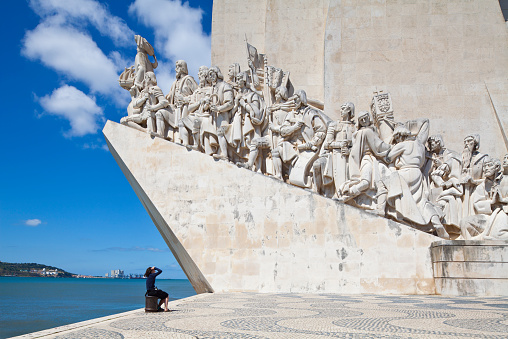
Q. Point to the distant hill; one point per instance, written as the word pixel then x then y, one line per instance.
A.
pixel 31 270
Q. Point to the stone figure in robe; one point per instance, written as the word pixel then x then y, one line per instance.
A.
pixel 407 196
pixel 222 103
pixel 142 64
pixel 445 187
pixel 304 131
pixel 472 171
pixel 365 166
pixel 277 113
pixel 490 220
pixel 151 103
pixel 251 111
pixel 179 98
pixel 331 170
pixel 199 120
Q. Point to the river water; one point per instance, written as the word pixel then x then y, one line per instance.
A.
pixel 35 304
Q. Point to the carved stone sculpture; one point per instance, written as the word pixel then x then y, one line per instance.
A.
pixel 136 116
pixel 251 110
pixel 256 121
pixel 142 64
pixel 472 171
pixel 277 115
pixel 233 71
pixel 382 113
pixel 204 132
pixel 179 99
pixel 406 196
pixel 490 220
pixel 305 130
pixel 503 184
pixel 365 166
pixel 221 106
pixel 445 188
pixel 333 165
pixel 151 103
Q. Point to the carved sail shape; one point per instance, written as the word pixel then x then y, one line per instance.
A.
pixel 232 229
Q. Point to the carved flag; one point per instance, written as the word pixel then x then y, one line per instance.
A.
pixel 253 55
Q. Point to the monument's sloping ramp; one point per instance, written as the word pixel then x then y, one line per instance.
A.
pixel 235 230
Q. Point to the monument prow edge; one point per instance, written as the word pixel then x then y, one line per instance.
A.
pixel 190 269
pixel 233 229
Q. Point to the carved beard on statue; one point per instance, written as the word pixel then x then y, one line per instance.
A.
pixel 467 154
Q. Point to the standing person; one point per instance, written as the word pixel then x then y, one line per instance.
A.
pixel 152 291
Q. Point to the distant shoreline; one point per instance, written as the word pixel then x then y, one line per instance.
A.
pixel 40 270
pixel 77 276
pixel 84 277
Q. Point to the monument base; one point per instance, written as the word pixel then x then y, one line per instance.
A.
pixel 470 267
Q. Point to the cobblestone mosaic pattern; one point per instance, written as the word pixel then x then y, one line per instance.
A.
pixel 256 315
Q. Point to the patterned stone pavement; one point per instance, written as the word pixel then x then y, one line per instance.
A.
pixel 257 315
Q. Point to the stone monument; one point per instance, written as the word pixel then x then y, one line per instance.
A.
pixel 441 59
pixel 254 187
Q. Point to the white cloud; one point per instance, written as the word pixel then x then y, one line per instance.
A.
pixel 74 54
pixel 75 106
pixel 78 11
pixel 120 61
pixel 33 222
pixel 93 146
pixel 178 31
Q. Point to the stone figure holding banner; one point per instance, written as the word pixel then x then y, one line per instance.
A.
pixel 252 112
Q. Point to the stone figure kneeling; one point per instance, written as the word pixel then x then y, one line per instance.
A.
pixel 490 205
pixel 150 103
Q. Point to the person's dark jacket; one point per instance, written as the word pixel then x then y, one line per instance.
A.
pixel 150 280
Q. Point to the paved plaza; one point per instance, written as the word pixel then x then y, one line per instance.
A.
pixel 258 315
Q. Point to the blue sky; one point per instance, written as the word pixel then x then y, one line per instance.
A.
pixel 63 199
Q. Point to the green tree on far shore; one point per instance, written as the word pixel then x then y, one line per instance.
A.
pixel 29 270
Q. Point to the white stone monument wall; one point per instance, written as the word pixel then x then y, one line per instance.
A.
pixel 232 229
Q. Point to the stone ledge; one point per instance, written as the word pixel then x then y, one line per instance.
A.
pixel 470 267
pixel 476 253
pixel 471 270
pixel 469 243
pixel 471 287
